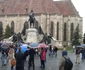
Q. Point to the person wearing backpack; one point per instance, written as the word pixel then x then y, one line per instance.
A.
pixel 65 62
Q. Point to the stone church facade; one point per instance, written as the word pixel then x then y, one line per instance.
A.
pixel 58 18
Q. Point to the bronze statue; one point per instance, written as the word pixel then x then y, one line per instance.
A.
pixel 31 18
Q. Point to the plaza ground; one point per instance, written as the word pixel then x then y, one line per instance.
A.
pixel 52 63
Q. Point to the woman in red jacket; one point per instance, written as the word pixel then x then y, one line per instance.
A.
pixel 42 57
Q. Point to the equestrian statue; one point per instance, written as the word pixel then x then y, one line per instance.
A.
pixel 31 18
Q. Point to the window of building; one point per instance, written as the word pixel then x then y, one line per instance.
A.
pixel 71 34
pixel 64 32
pixel 12 27
pixel 78 25
pixel 36 24
pixel 1 31
pixel 57 31
pixel 51 32
pixel 1 23
pixel 26 26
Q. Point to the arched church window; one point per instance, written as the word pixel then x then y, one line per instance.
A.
pixel 64 32
pixel 36 25
pixel 12 27
pixel 57 31
pixel 26 26
pixel 1 31
pixel 1 23
pixel 71 30
pixel 40 31
pixel 51 32
pixel 78 25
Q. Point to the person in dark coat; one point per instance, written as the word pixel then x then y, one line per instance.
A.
pixel 31 58
pixel 19 60
pixel 26 53
pixel 55 49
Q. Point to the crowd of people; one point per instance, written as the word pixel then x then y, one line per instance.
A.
pixel 12 52
pixel 79 51
pixel 17 58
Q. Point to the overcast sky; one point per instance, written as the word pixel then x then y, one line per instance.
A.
pixel 79 5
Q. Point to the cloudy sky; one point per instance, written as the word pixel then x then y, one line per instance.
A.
pixel 79 5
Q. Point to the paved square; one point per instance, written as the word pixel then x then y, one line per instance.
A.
pixel 51 63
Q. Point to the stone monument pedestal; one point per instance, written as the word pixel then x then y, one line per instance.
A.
pixel 31 35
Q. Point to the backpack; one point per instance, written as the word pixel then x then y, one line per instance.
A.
pixel 68 64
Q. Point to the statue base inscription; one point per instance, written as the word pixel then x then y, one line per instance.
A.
pixel 31 35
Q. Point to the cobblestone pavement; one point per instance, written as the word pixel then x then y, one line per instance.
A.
pixel 51 63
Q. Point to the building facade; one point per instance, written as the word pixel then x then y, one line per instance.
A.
pixel 58 18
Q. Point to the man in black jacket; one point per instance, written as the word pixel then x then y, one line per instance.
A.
pixel 19 60
pixel 31 58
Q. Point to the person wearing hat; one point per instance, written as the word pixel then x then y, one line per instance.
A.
pixel 62 60
pixel 65 62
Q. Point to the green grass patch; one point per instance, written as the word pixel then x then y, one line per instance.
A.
pixel 68 48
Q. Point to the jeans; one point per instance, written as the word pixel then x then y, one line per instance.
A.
pixel 4 59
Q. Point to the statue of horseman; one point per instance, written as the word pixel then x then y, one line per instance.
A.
pixel 31 18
